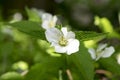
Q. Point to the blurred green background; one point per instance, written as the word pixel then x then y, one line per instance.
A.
pixel 78 13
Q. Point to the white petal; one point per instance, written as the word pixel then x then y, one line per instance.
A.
pixel 64 30
pixel 73 46
pixel 118 58
pixel 99 55
pixel 70 35
pixel 55 19
pixel 45 25
pixel 48 21
pixel 46 16
pixel 53 34
pixel 101 46
pixel 92 53
pixel 108 51
pixel 58 48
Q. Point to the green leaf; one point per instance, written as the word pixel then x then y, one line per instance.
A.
pixel 83 64
pixel 1 36
pixel 110 64
pixel 33 15
pixel 89 35
pixel 46 70
pixel 32 28
pixel 11 76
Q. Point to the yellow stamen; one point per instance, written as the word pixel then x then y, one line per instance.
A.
pixel 51 24
pixel 63 41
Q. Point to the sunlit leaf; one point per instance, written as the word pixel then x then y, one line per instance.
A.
pixel 11 76
pixel 105 25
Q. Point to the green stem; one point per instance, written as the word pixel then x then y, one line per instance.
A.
pixel 66 61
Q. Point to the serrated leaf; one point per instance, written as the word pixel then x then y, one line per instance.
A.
pixel 32 28
pixel 110 64
pixel 89 35
pixel 11 76
pixel 83 64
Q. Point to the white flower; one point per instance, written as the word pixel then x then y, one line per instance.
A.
pixel 118 58
pixel 48 21
pixel 16 17
pixel 63 41
pixel 101 51
pixel 40 12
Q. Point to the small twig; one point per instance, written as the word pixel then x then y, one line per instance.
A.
pixel 104 72
pixel 69 74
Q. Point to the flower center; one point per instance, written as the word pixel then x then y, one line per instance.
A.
pixel 51 24
pixel 98 53
pixel 63 41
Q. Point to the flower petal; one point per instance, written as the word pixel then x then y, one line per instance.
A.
pixel 55 19
pixel 108 51
pixel 99 55
pixel 53 34
pixel 58 48
pixel 45 25
pixel 46 16
pixel 100 47
pixel 64 31
pixel 70 35
pixel 92 53
pixel 73 46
